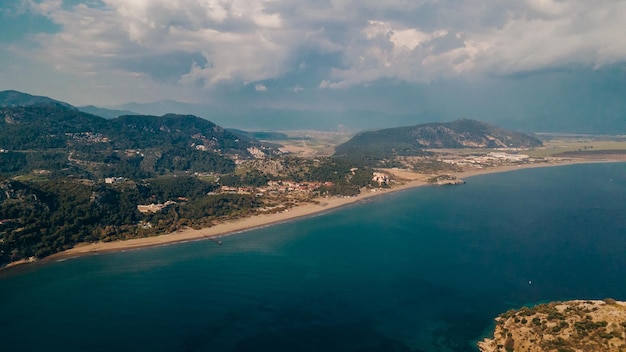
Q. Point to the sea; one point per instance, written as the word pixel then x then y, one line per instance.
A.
pixel 426 269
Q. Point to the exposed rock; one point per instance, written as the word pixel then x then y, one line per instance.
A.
pixel 572 326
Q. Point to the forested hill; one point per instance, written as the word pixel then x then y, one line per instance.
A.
pixel 142 131
pixel 412 140
pixel 15 98
pixel 51 135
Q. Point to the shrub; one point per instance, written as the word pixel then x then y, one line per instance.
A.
pixel 610 301
pixel 509 344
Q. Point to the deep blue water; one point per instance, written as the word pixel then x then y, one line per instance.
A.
pixel 422 270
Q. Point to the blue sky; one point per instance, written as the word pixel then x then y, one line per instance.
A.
pixel 444 56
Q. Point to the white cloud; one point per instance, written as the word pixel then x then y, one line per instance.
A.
pixel 42 8
pixel 297 88
pixel 545 34
pixel 260 88
pixel 343 42
pixel 239 40
pixel 550 7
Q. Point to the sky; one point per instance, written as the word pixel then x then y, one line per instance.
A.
pixel 511 60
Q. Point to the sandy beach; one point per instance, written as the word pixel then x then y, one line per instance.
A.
pixel 319 206
pixel 233 226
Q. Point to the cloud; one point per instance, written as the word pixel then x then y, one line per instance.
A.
pixel 260 88
pixel 212 42
pixel 237 40
pixel 41 8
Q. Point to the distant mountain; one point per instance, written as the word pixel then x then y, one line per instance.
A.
pixel 412 140
pixel 166 106
pixel 106 113
pixel 9 98
pixel 13 98
pixel 276 119
pixel 264 135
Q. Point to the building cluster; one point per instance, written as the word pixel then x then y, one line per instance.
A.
pixel 112 180
pixel 134 152
pixel 274 187
pixel 290 186
pixel 488 159
pixel 89 137
pixel 380 178
pixel 236 190
pixel 507 157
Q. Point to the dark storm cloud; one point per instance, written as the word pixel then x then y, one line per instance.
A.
pixel 167 67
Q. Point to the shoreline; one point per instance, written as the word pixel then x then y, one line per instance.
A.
pixel 230 227
pixel 253 222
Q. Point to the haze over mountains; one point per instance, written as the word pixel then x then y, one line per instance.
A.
pixel 554 106
pixel 601 111
pixel 12 98
pixel 144 145
pixel 541 66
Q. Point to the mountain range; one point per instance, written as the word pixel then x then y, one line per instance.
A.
pixel 139 146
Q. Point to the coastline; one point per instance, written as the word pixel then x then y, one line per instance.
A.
pixel 231 227
pixel 320 205
pixel 510 326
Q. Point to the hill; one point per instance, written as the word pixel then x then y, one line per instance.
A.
pixel 15 98
pixel 414 140
pixel 561 326
pixel 106 113
pixel 54 136
pixel 44 125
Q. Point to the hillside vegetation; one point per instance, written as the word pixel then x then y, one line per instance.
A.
pixel 53 136
pixel 68 177
pixel 561 327
pixel 376 146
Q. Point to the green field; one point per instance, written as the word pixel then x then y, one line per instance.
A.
pixel 560 144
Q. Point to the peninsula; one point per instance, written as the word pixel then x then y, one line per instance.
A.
pixel 561 326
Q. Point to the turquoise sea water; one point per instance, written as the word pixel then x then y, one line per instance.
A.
pixel 422 270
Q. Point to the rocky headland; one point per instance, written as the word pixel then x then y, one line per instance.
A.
pixel 573 326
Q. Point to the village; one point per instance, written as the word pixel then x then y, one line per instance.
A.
pixel 283 194
pixel 276 194
pixel 491 159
